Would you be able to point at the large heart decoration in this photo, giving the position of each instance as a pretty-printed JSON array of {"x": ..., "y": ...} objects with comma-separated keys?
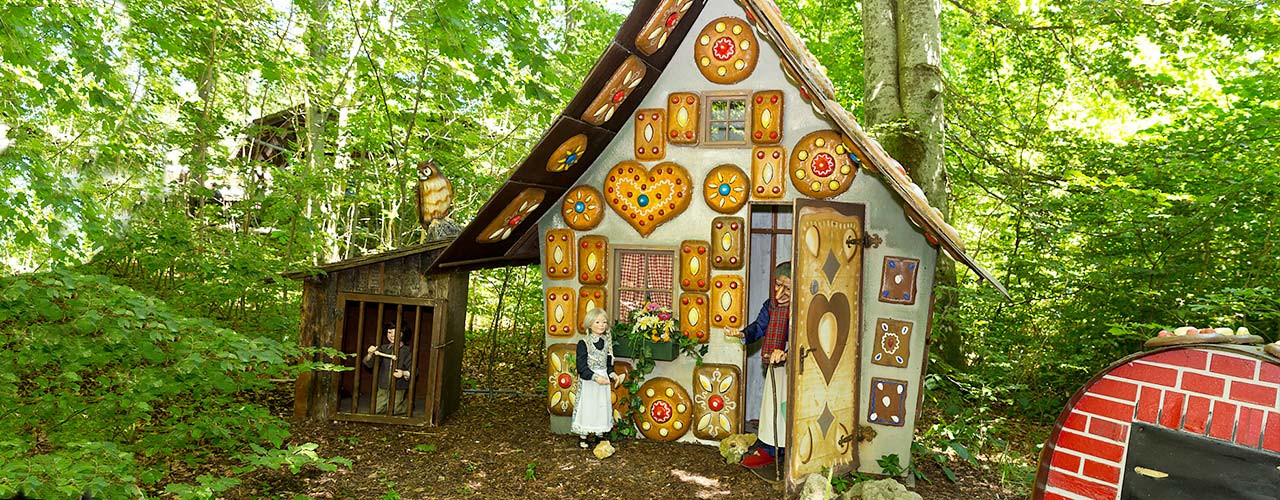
[
  {"x": 647, "y": 198},
  {"x": 828, "y": 318}
]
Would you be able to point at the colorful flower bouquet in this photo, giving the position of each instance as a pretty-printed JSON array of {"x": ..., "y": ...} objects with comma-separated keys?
[{"x": 648, "y": 328}]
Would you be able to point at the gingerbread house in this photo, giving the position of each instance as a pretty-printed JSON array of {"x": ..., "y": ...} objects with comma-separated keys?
[
  {"x": 1196, "y": 422},
  {"x": 704, "y": 147}
]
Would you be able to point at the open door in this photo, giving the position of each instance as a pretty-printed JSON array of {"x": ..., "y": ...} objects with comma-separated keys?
[{"x": 822, "y": 402}]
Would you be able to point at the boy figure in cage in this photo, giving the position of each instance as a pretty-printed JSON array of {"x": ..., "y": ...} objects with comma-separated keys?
[
  {"x": 593, "y": 410},
  {"x": 393, "y": 363},
  {"x": 773, "y": 325}
]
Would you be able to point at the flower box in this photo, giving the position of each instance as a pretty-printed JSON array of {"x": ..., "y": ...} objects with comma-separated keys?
[{"x": 662, "y": 351}]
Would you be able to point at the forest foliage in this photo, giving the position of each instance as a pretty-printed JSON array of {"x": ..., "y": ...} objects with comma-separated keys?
[{"x": 1115, "y": 164}]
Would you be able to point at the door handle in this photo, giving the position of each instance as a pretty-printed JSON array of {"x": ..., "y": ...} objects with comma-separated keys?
[{"x": 804, "y": 352}]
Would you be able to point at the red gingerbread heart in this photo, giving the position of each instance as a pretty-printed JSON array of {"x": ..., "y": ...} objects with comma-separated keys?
[{"x": 647, "y": 198}]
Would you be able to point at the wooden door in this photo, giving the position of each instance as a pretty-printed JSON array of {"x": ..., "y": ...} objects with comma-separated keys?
[{"x": 823, "y": 375}]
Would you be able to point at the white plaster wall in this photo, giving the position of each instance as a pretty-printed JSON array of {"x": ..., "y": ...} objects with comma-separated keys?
[{"x": 885, "y": 217}]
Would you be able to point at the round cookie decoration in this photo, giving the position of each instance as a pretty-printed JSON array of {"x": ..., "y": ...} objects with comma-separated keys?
[
  {"x": 821, "y": 166},
  {"x": 725, "y": 189},
  {"x": 726, "y": 50},
  {"x": 583, "y": 208},
  {"x": 665, "y": 410}
]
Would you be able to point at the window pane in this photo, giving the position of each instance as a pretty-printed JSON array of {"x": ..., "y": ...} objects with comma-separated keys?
[
  {"x": 719, "y": 132},
  {"x": 718, "y": 110},
  {"x": 628, "y": 300},
  {"x": 632, "y": 270},
  {"x": 737, "y": 110},
  {"x": 660, "y": 271},
  {"x": 736, "y": 132}
]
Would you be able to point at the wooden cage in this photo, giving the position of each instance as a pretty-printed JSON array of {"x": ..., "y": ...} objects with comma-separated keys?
[{"x": 346, "y": 307}]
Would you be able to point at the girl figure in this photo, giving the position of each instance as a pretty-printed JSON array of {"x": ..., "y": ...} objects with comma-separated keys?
[{"x": 593, "y": 411}]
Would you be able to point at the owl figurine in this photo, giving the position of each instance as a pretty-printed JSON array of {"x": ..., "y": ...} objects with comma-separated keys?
[{"x": 435, "y": 196}]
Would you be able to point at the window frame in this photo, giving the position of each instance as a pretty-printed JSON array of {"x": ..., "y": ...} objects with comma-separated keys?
[
  {"x": 616, "y": 276},
  {"x": 708, "y": 99}
]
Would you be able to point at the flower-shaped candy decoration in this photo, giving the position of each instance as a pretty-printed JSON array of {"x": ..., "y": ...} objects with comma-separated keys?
[{"x": 562, "y": 383}]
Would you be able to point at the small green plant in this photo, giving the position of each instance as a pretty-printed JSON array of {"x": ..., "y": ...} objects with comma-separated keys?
[
  {"x": 391, "y": 493},
  {"x": 349, "y": 440},
  {"x": 424, "y": 448},
  {"x": 890, "y": 464},
  {"x": 463, "y": 490},
  {"x": 530, "y": 472},
  {"x": 839, "y": 484}
]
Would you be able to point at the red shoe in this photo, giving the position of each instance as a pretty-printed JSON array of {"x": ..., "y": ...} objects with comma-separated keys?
[{"x": 756, "y": 459}]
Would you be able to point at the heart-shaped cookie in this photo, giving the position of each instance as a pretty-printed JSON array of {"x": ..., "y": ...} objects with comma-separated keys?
[
  {"x": 828, "y": 319},
  {"x": 647, "y": 198}
]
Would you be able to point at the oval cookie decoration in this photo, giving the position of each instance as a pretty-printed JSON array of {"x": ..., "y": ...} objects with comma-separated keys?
[
  {"x": 583, "y": 208},
  {"x": 821, "y": 166},
  {"x": 562, "y": 382},
  {"x": 647, "y": 198},
  {"x": 725, "y": 189},
  {"x": 715, "y": 401},
  {"x": 516, "y": 211},
  {"x": 568, "y": 154},
  {"x": 665, "y": 410},
  {"x": 726, "y": 50}
]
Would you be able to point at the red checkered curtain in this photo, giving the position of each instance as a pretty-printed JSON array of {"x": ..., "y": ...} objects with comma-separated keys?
[{"x": 644, "y": 276}]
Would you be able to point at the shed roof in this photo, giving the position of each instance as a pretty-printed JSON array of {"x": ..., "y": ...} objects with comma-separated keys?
[
  {"x": 370, "y": 259},
  {"x": 802, "y": 69}
]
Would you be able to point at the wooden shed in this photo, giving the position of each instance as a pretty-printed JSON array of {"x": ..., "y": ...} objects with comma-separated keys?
[{"x": 344, "y": 306}]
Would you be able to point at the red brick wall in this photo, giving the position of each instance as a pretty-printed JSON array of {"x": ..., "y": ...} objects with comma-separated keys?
[{"x": 1221, "y": 394}]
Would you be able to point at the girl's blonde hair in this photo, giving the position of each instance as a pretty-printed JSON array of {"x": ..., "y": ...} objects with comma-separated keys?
[{"x": 590, "y": 317}]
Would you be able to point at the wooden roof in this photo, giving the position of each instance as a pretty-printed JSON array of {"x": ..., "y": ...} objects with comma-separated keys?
[
  {"x": 801, "y": 67},
  {"x": 369, "y": 259}
]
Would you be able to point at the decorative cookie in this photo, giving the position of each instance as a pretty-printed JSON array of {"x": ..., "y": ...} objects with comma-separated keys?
[
  {"x": 615, "y": 91},
  {"x": 647, "y": 198},
  {"x": 567, "y": 154},
  {"x": 726, "y": 242},
  {"x": 888, "y": 402},
  {"x": 715, "y": 400},
  {"x": 693, "y": 316},
  {"x": 682, "y": 109},
  {"x": 768, "y": 173},
  {"x": 516, "y": 211},
  {"x": 591, "y": 297},
  {"x": 665, "y": 410},
  {"x": 694, "y": 271},
  {"x": 658, "y": 28},
  {"x": 562, "y": 382},
  {"x": 651, "y": 134},
  {"x": 893, "y": 343},
  {"x": 593, "y": 260},
  {"x": 560, "y": 311},
  {"x": 726, "y": 301},
  {"x": 583, "y": 208},
  {"x": 559, "y": 259},
  {"x": 725, "y": 189},
  {"x": 898, "y": 283},
  {"x": 726, "y": 50},
  {"x": 619, "y": 397},
  {"x": 821, "y": 166},
  {"x": 766, "y": 117}
]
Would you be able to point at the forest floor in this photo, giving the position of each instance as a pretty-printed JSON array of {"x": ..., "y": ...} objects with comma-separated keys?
[{"x": 501, "y": 447}]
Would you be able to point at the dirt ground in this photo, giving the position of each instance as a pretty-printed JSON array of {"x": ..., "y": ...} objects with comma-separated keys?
[{"x": 501, "y": 447}]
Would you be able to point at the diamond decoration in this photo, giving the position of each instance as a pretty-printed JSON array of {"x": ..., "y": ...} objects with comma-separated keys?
[
  {"x": 831, "y": 267},
  {"x": 826, "y": 419}
]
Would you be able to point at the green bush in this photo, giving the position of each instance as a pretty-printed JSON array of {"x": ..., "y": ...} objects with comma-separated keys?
[{"x": 103, "y": 388}]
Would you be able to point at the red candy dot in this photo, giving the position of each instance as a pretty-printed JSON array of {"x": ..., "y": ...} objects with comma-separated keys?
[
  {"x": 715, "y": 403},
  {"x": 619, "y": 96},
  {"x": 823, "y": 165},
  {"x": 564, "y": 381}
]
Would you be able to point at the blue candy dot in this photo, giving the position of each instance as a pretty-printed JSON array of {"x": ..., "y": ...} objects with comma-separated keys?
[
  {"x": 911, "y": 266},
  {"x": 906, "y": 296},
  {"x": 643, "y": 200},
  {"x": 893, "y": 264},
  {"x": 571, "y": 158},
  {"x": 724, "y": 189},
  {"x": 579, "y": 207},
  {"x": 885, "y": 294}
]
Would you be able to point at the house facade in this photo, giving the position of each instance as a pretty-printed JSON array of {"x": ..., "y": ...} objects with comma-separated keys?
[{"x": 704, "y": 148}]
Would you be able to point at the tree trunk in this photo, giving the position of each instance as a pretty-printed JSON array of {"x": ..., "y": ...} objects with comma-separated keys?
[
  {"x": 318, "y": 48},
  {"x": 903, "y": 101}
]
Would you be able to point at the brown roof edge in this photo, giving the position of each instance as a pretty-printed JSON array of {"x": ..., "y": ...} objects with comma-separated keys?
[{"x": 368, "y": 259}]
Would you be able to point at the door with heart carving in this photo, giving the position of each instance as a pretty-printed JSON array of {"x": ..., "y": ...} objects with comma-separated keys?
[{"x": 826, "y": 270}]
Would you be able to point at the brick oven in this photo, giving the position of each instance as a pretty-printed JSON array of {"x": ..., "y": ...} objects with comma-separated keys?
[{"x": 1197, "y": 422}]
